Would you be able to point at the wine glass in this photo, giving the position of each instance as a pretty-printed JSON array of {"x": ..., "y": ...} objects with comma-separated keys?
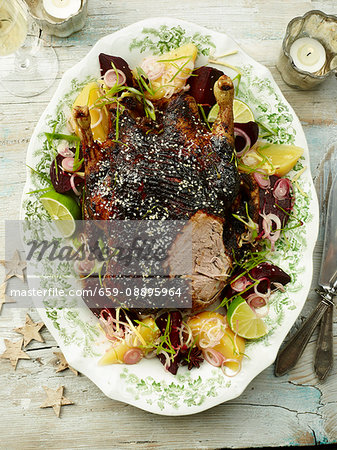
[{"x": 28, "y": 65}]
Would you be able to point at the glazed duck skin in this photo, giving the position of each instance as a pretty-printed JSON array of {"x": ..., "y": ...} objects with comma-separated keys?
[{"x": 174, "y": 169}]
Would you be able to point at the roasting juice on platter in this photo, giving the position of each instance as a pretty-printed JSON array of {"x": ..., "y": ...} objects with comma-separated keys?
[{"x": 167, "y": 141}]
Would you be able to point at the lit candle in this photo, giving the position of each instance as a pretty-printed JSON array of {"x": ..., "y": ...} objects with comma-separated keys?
[
  {"x": 308, "y": 54},
  {"x": 61, "y": 9}
]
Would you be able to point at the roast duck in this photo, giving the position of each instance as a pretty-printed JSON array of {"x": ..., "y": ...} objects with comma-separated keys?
[{"x": 175, "y": 169}]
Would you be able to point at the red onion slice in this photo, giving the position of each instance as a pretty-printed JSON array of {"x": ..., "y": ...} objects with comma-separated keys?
[
  {"x": 256, "y": 300},
  {"x": 213, "y": 357},
  {"x": 257, "y": 285},
  {"x": 68, "y": 164},
  {"x": 65, "y": 152},
  {"x": 72, "y": 184},
  {"x": 241, "y": 133},
  {"x": 262, "y": 180},
  {"x": 225, "y": 369},
  {"x": 111, "y": 78},
  {"x": 267, "y": 228},
  {"x": 152, "y": 68},
  {"x": 133, "y": 356},
  {"x": 282, "y": 188},
  {"x": 167, "y": 359},
  {"x": 279, "y": 286},
  {"x": 240, "y": 284}
]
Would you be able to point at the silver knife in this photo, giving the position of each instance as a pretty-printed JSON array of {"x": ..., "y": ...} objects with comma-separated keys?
[{"x": 292, "y": 351}]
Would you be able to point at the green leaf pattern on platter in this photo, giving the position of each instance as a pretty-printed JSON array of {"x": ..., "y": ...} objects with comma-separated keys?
[
  {"x": 268, "y": 107},
  {"x": 271, "y": 111},
  {"x": 188, "y": 390},
  {"x": 163, "y": 39}
]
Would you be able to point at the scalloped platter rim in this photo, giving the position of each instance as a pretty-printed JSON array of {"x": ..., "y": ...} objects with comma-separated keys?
[{"x": 146, "y": 385}]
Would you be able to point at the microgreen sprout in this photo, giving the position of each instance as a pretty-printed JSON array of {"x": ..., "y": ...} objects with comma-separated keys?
[
  {"x": 66, "y": 137},
  {"x": 204, "y": 117},
  {"x": 250, "y": 224}
]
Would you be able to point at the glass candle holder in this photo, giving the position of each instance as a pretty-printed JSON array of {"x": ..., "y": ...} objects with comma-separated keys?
[
  {"x": 309, "y": 50},
  {"x": 55, "y": 26}
]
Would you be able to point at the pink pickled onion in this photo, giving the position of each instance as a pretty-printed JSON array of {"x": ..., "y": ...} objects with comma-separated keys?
[
  {"x": 111, "y": 78},
  {"x": 167, "y": 359},
  {"x": 267, "y": 228},
  {"x": 133, "y": 356},
  {"x": 240, "y": 284},
  {"x": 279, "y": 286},
  {"x": 239, "y": 132},
  {"x": 262, "y": 180},
  {"x": 257, "y": 285},
  {"x": 68, "y": 164},
  {"x": 152, "y": 68},
  {"x": 256, "y": 300},
  {"x": 213, "y": 357},
  {"x": 232, "y": 373},
  {"x": 66, "y": 152},
  {"x": 282, "y": 188},
  {"x": 72, "y": 184}
]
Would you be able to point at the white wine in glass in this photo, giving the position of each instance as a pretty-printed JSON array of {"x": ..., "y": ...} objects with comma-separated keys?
[{"x": 28, "y": 66}]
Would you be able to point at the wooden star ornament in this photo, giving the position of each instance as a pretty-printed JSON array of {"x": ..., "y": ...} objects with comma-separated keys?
[
  {"x": 14, "y": 267},
  {"x": 55, "y": 399},
  {"x": 63, "y": 364},
  {"x": 4, "y": 298},
  {"x": 13, "y": 352},
  {"x": 30, "y": 331}
]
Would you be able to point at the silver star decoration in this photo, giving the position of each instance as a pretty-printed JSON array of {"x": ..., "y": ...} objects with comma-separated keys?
[{"x": 14, "y": 267}]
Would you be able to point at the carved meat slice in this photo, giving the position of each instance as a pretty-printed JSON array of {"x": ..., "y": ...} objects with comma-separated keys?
[{"x": 211, "y": 260}]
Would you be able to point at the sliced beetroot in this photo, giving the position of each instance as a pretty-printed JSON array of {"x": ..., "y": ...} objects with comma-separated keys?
[
  {"x": 251, "y": 129},
  {"x": 105, "y": 63},
  {"x": 175, "y": 323},
  {"x": 270, "y": 271},
  {"x": 266, "y": 272},
  {"x": 202, "y": 83},
  {"x": 269, "y": 204},
  {"x": 61, "y": 179}
]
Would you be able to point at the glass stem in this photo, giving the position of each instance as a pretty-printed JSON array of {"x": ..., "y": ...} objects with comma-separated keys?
[{"x": 24, "y": 56}]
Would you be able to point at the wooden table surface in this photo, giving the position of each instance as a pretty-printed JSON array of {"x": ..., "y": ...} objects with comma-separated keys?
[{"x": 293, "y": 410}]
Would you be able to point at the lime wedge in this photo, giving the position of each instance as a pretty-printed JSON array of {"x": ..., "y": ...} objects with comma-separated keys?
[
  {"x": 243, "y": 320},
  {"x": 212, "y": 115},
  {"x": 64, "y": 210},
  {"x": 242, "y": 113}
]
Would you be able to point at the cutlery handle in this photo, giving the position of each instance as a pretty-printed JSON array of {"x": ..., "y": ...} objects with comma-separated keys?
[
  {"x": 292, "y": 351},
  {"x": 324, "y": 349}
]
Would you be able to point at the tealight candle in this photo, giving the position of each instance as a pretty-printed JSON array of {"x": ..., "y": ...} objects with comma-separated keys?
[
  {"x": 308, "y": 54},
  {"x": 61, "y": 9}
]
